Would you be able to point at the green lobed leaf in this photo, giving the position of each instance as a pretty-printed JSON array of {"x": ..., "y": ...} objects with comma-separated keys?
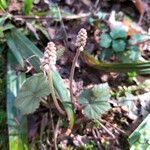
[
  {"x": 101, "y": 91},
  {"x": 95, "y": 101},
  {"x": 118, "y": 33},
  {"x": 132, "y": 55},
  {"x": 118, "y": 45},
  {"x": 2, "y": 20},
  {"x": 105, "y": 40},
  {"x": 31, "y": 93},
  {"x": 106, "y": 54}
]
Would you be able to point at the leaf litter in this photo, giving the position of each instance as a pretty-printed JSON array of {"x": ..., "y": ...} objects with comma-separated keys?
[{"x": 118, "y": 119}]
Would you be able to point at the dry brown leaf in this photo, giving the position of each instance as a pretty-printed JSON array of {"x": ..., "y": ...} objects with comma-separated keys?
[
  {"x": 132, "y": 28},
  {"x": 140, "y": 5},
  {"x": 14, "y": 6}
]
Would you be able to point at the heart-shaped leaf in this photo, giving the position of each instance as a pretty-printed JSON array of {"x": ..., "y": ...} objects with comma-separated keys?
[
  {"x": 105, "y": 40},
  {"x": 132, "y": 55},
  {"x": 94, "y": 101},
  {"x": 118, "y": 33},
  {"x": 31, "y": 92},
  {"x": 119, "y": 45},
  {"x": 106, "y": 54}
]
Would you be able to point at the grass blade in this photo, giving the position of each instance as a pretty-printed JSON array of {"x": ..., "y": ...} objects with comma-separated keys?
[
  {"x": 140, "y": 137},
  {"x": 13, "y": 47},
  {"x": 140, "y": 68},
  {"x": 17, "y": 124},
  {"x": 27, "y": 6},
  {"x": 25, "y": 47}
]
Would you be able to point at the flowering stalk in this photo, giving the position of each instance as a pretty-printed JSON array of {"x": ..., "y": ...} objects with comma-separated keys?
[
  {"x": 80, "y": 44},
  {"x": 48, "y": 65}
]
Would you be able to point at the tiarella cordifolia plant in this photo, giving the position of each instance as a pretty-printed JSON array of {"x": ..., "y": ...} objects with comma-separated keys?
[
  {"x": 116, "y": 43},
  {"x": 80, "y": 44},
  {"x": 48, "y": 63}
]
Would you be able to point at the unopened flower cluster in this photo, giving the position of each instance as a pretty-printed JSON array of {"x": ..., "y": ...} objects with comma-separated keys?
[
  {"x": 81, "y": 39},
  {"x": 49, "y": 59}
]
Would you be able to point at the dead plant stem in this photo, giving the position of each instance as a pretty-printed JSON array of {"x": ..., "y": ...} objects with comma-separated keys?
[
  {"x": 68, "y": 17},
  {"x": 111, "y": 134},
  {"x": 97, "y": 141}
]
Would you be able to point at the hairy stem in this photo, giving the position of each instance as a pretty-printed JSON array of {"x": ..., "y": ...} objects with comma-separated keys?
[
  {"x": 50, "y": 83},
  {"x": 56, "y": 134},
  {"x": 72, "y": 76},
  {"x": 53, "y": 127}
]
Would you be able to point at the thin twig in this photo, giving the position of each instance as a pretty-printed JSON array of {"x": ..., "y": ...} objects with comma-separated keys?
[
  {"x": 110, "y": 133},
  {"x": 63, "y": 27},
  {"x": 96, "y": 3},
  {"x": 45, "y": 103},
  {"x": 104, "y": 121},
  {"x": 97, "y": 142},
  {"x": 62, "y": 23},
  {"x": 68, "y": 17}
]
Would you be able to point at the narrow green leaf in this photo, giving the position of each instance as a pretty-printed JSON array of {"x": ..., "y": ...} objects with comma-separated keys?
[
  {"x": 139, "y": 139},
  {"x": 27, "y": 6},
  {"x": 139, "y": 68},
  {"x": 14, "y": 49},
  {"x": 26, "y": 48},
  {"x": 17, "y": 124},
  {"x": 64, "y": 96},
  {"x": 2, "y": 20},
  {"x": 8, "y": 27},
  {"x": 2, "y": 47},
  {"x": 3, "y": 4}
]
